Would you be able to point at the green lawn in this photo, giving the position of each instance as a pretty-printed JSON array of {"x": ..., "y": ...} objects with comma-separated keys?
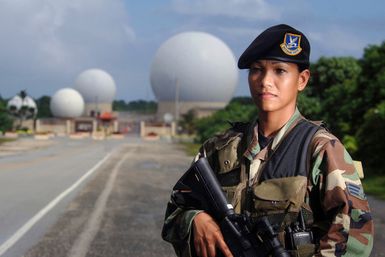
[
  {"x": 375, "y": 185},
  {"x": 191, "y": 149},
  {"x": 3, "y": 140}
]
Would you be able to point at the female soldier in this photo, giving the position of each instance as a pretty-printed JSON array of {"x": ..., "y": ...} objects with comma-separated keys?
[{"x": 282, "y": 165}]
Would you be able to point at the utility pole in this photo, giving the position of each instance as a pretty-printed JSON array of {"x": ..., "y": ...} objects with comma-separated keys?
[{"x": 176, "y": 100}]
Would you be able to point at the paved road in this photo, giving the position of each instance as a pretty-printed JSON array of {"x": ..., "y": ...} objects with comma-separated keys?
[
  {"x": 378, "y": 211},
  {"x": 32, "y": 175},
  {"x": 119, "y": 212}
]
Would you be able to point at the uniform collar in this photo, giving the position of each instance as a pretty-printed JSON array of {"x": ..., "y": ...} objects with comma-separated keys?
[{"x": 253, "y": 145}]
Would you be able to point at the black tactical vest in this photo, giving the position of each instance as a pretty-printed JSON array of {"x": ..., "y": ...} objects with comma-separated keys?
[{"x": 290, "y": 158}]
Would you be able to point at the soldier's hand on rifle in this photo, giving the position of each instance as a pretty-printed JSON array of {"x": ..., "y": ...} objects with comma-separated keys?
[{"x": 208, "y": 237}]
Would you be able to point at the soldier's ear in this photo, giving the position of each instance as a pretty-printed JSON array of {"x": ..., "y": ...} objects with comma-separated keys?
[{"x": 303, "y": 79}]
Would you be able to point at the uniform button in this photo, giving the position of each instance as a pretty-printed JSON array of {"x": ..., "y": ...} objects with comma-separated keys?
[{"x": 227, "y": 162}]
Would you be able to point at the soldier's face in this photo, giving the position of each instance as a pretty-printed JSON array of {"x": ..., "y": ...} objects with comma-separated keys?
[{"x": 274, "y": 85}]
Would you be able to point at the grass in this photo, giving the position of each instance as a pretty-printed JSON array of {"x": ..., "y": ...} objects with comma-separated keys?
[
  {"x": 374, "y": 185},
  {"x": 191, "y": 149},
  {"x": 4, "y": 140}
]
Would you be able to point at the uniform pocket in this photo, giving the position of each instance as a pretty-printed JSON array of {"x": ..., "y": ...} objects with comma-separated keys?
[
  {"x": 229, "y": 182},
  {"x": 228, "y": 159},
  {"x": 280, "y": 194},
  {"x": 235, "y": 195},
  {"x": 306, "y": 250},
  {"x": 229, "y": 192}
]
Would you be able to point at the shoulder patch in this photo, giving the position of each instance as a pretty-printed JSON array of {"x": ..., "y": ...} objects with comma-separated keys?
[{"x": 355, "y": 190}]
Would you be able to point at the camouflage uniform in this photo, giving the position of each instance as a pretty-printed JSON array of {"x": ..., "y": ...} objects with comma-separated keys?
[{"x": 333, "y": 190}]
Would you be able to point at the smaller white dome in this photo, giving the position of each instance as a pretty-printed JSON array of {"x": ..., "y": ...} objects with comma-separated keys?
[
  {"x": 29, "y": 102},
  {"x": 67, "y": 103},
  {"x": 30, "y": 106},
  {"x": 96, "y": 86},
  {"x": 14, "y": 104},
  {"x": 27, "y": 106}
]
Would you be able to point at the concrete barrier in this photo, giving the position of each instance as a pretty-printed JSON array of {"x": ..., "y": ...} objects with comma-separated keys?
[
  {"x": 76, "y": 136},
  {"x": 116, "y": 136},
  {"x": 42, "y": 136},
  {"x": 98, "y": 135},
  {"x": 11, "y": 135}
]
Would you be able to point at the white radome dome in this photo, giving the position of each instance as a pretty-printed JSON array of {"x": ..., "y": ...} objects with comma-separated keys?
[
  {"x": 27, "y": 104},
  {"x": 14, "y": 104},
  {"x": 96, "y": 86},
  {"x": 67, "y": 103},
  {"x": 197, "y": 66},
  {"x": 30, "y": 105}
]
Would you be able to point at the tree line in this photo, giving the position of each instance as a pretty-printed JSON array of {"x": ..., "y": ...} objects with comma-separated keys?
[
  {"x": 348, "y": 94},
  {"x": 141, "y": 106}
]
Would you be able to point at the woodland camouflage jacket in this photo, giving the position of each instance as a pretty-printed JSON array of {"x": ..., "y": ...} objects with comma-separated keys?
[{"x": 333, "y": 190}]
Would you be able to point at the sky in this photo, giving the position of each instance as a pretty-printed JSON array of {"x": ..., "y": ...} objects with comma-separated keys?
[{"x": 46, "y": 44}]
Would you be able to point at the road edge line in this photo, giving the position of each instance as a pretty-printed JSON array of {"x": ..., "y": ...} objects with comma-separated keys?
[
  {"x": 4, "y": 247},
  {"x": 82, "y": 243}
]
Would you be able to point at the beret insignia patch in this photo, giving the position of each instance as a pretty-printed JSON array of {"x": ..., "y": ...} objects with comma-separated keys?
[{"x": 291, "y": 44}]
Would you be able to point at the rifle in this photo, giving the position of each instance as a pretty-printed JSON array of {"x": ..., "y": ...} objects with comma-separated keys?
[{"x": 199, "y": 188}]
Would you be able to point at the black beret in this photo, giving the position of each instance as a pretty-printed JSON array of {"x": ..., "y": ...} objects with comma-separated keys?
[{"x": 280, "y": 42}]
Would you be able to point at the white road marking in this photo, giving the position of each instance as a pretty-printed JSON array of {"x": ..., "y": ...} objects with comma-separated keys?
[
  {"x": 30, "y": 223},
  {"x": 84, "y": 240}
]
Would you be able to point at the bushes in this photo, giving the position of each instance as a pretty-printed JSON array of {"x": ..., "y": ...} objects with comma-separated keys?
[
  {"x": 239, "y": 109},
  {"x": 5, "y": 120},
  {"x": 371, "y": 138}
]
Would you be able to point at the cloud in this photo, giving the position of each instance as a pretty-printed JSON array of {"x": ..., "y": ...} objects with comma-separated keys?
[
  {"x": 342, "y": 43},
  {"x": 244, "y": 9},
  {"x": 44, "y": 39}
]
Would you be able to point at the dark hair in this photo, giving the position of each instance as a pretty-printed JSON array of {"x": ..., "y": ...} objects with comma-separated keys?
[{"x": 302, "y": 67}]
